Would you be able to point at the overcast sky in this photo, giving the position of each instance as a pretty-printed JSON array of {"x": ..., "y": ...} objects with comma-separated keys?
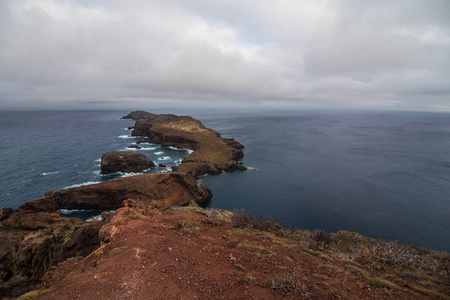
[{"x": 263, "y": 53}]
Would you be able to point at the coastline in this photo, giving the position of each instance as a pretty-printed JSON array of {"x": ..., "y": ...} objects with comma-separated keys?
[{"x": 211, "y": 155}]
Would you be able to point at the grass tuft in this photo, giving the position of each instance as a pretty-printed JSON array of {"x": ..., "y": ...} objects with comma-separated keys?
[{"x": 117, "y": 249}]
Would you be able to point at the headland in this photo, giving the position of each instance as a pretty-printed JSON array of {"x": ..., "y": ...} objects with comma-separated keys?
[{"x": 154, "y": 246}]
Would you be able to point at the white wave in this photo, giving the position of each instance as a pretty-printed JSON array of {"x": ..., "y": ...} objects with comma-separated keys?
[
  {"x": 147, "y": 149},
  {"x": 159, "y": 153},
  {"x": 98, "y": 160},
  {"x": 80, "y": 184},
  {"x": 95, "y": 218},
  {"x": 164, "y": 158},
  {"x": 125, "y": 136},
  {"x": 96, "y": 172},
  {"x": 50, "y": 173},
  {"x": 181, "y": 149},
  {"x": 146, "y": 143},
  {"x": 69, "y": 211},
  {"x": 251, "y": 168}
]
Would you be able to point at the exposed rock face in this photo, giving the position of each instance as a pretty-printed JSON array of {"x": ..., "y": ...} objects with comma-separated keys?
[
  {"x": 212, "y": 153},
  {"x": 141, "y": 115},
  {"x": 158, "y": 189},
  {"x": 5, "y": 212},
  {"x": 26, "y": 255},
  {"x": 124, "y": 161}
]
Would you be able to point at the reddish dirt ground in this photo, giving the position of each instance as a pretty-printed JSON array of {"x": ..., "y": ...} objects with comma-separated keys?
[{"x": 169, "y": 254}]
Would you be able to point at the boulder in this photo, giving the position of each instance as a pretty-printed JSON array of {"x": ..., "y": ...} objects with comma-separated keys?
[{"x": 124, "y": 161}]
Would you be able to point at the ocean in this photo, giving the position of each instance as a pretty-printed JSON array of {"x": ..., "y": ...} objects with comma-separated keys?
[{"x": 381, "y": 174}]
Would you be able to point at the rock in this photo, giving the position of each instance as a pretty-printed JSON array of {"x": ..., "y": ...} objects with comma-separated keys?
[
  {"x": 162, "y": 166},
  {"x": 134, "y": 147},
  {"x": 157, "y": 189},
  {"x": 38, "y": 250},
  {"x": 124, "y": 161},
  {"x": 5, "y": 212},
  {"x": 141, "y": 115}
]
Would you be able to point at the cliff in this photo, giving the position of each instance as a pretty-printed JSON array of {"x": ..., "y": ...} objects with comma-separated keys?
[{"x": 212, "y": 154}]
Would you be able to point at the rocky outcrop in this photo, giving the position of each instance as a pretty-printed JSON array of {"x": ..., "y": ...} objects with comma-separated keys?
[
  {"x": 5, "y": 212},
  {"x": 124, "y": 161},
  {"x": 141, "y": 115},
  {"x": 158, "y": 189},
  {"x": 212, "y": 153},
  {"x": 28, "y": 257}
]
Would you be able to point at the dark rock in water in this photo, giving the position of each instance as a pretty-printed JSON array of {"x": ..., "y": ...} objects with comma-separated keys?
[
  {"x": 162, "y": 166},
  {"x": 5, "y": 212},
  {"x": 141, "y": 115},
  {"x": 130, "y": 127},
  {"x": 124, "y": 161},
  {"x": 134, "y": 147}
]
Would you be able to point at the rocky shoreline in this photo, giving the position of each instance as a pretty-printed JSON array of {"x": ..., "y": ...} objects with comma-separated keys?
[
  {"x": 160, "y": 241},
  {"x": 36, "y": 237}
]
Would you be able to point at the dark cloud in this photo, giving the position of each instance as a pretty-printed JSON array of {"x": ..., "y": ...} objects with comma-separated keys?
[{"x": 377, "y": 54}]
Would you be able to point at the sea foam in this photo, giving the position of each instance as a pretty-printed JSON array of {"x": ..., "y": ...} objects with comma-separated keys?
[
  {"x": 50, "y": 173},
  {"x": 81, "y": 184}
]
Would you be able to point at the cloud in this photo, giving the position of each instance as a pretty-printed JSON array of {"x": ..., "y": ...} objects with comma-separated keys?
[{"x": 320, "y": 53}]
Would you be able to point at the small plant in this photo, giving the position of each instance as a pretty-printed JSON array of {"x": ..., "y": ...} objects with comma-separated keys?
[
  {"x": 117, "y": 249},
  {"x": 67, "y": 225},
  {"x": 32, "y": 294},
  {"x": 291, "y": 284},
  {"x": 240, "y": 267},
  {"x": 245, "y": 219},
  {"x": 251, "y": 278},
  {"x": 428, "y": 292},
  {"x": 257, "y": 249},
  {"x": 320, "y": 239},
  {"x": 67, "y": 238}
]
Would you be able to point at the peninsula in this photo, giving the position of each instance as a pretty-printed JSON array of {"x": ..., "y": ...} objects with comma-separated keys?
[{"x": 159, "y": 244}]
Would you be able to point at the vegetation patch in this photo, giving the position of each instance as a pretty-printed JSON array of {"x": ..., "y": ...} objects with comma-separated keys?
[
  {"x": 245, "y": 219},
  {"x": 240, "y": 267},
  {"x": 373, "y": 281},
  {"x": 428, "y": 292},
  {"x": 33, "y": 294},
  {"x": 257, "y": 249},
  {"x": 67, "y": 238},
  {"x": 290, "y": 284},
  {"x": 117, "y": 249}
]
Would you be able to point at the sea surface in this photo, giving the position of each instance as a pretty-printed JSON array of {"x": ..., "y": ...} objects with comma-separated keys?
[{"x": 382, "y": 174}]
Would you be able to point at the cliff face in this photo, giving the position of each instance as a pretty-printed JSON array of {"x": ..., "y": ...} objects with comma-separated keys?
[
  {"x": 212, "y": 153},
  {"x": 36, "y": 237},
  {"x": 124, "y": 161}
]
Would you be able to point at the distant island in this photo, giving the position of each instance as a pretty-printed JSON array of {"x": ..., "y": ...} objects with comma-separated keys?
[{"x": 160, "y": 244}]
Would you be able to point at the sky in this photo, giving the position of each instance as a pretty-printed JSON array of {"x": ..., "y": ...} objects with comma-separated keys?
[{"x": 392, "y": 54}]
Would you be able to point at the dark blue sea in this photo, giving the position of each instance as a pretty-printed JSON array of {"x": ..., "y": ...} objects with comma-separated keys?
[{"x": 382, "y": 174}]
